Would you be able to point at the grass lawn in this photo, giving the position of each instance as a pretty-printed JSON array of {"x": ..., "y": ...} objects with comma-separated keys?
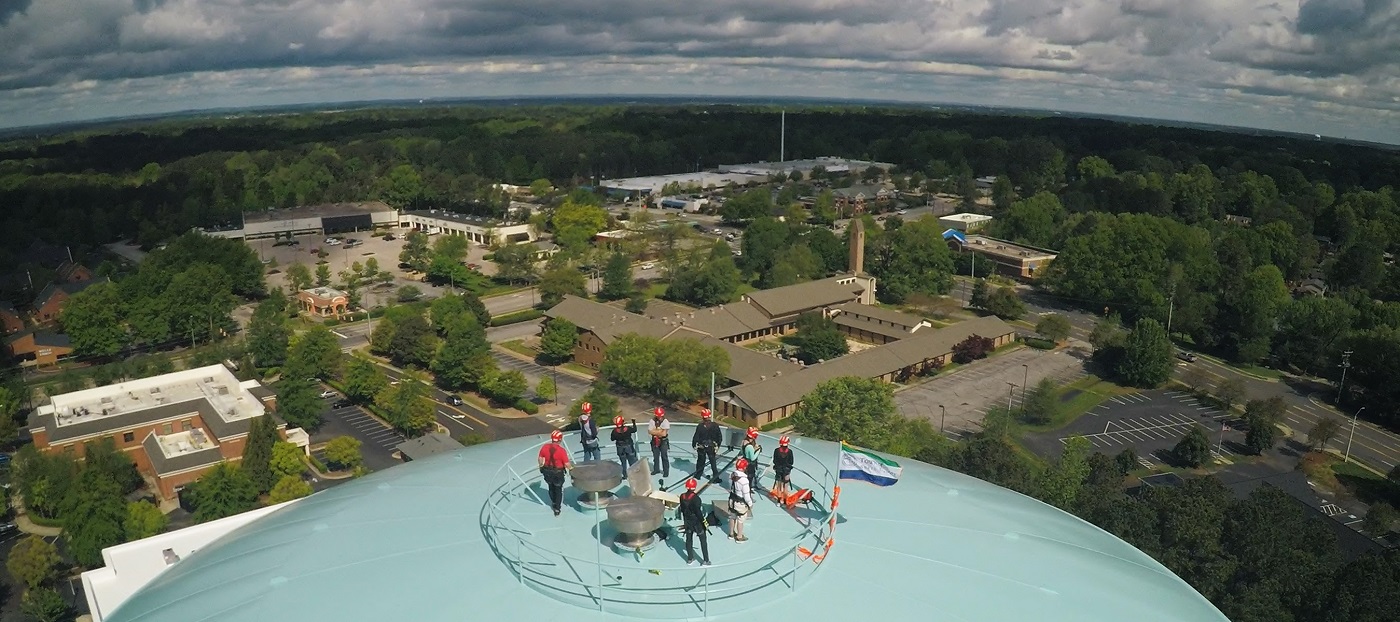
[
  {"x": 1262, "y": 372},
  {"x": 499, "y": 289},
  {"x": 572, "y": 366},
  {"x": 479, "y": 402},
  {"x": 518, "y": 345},
  {"x": 656, "y": 289},
  {"x": 1077, "y": 398},
  {"x": 1327, "y": 470}
]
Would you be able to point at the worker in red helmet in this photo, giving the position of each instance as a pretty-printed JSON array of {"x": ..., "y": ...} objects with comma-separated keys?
[
  {"x": 752, "y": 450},
  {"x": 622, "y": 438},
  {"x": 782, "y": 469},
  {"x": 740, "y": 500},
  {"x": 554, "y": 462},
  {"x": 588, "y": 433},
  {"x": 660, "y": 430},
  {"x": 693, "y": 518},
  {"x": 706, "y": 444}
]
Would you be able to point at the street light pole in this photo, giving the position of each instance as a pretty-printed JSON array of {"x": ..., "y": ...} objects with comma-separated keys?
[
  {"x": 1353, "y": 433},
  {"x": 942, "y": 420},
  {"x": 1342, "y": 385},
  {"x": 1009, "y": 393}
]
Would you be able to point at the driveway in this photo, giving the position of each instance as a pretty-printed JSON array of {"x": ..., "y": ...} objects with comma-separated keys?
[
  {"x": 1151, "y": 422},
  {"x": 970, "y": 391}
]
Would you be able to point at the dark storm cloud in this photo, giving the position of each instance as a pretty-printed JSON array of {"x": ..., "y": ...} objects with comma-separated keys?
[
  {"x": 11, "y": 7},
  {"x": 1319, "y": 16}
]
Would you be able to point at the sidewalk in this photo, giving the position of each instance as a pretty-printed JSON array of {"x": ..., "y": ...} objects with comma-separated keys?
[{"x": 23, "y": 523}]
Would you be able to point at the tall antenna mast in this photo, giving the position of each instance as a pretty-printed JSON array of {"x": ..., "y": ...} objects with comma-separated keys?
[{"x": 782, "y": 140}]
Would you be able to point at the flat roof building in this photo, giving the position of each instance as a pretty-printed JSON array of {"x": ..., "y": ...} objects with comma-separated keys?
[
  {"x": 323, "y": 219},
  {"x": 464, "y": 536},
  {"x": 965, "y": 222},
  {"x": 830, "y": 163},
  {"x": 324, "y": 302},
  {"x": 654, "y": 184},
  {"x": 1017, "y": 261},
  {"x": 482, "y": 231},
  {"x": 174, "y": 426}
]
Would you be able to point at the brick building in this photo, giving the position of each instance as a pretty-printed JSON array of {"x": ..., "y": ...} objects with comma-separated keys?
[
  {"x": 324, "y": 301},
  {"x": 48, "y": 305},
  {"x": 10, "y": 320},
  {"x": 175, "y": 426},
  {"x": 38, "y": 347}
]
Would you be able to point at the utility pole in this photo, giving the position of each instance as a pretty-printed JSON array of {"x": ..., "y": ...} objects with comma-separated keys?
[
  {"x": 782, "y": 139},
  {"x": 1025, "y": 380},
  {"x": 942, "y": 420},
  {"x": 1009, "y": 393},
  {"x": 1342, "y": 386},
  {"x": 1353, "y": 433},
  {"x": 1171, "y": 305}
]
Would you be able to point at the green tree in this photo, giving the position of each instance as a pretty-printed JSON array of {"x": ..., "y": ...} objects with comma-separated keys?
[
  {"x": 402, "y": 186},
  {"x": 363, "y": 380},
  {"x": 857, "y": 410},
  {"x": 444, "y": 309},
  {"x": 1147, "y": 355},
  {"x": 1040, "y": 403},
  {"x": 343, "y": 452},
  {"x": 546, "y": 389},
  {"x": 34, "y": 561},
  {"x": 1251, "y": 313},
  {"x": 1053, "y": 326},
  {"x": 406, "y": 406},
  {"x": 576, "y": 223},
  {"x": 408, "y": 293},
  {"x": 1323, "y": 432},
  {"x": 559, "y": 282},
  {"x": 751, "y": 204},
  {"x": 1094, "y": 167},
  {"x": 515, "y": 263},
  {"x": 1310, "y": 327},
  {"x": 818, "y": 338},
  {"x": 298, "y": 399},
  {"x": 92, "y": 319},
  {"x": 415, "y": 253},
  {"x": 268, "y": 336},
  {"x": 506, "y": 387},
  {"x": 1003, "y": 194},
  {"x": 459, "y": 361},
  {"x": 677, "y": 370},
  {"x": 143, "y": 520},
  {"x": 224, "y": 491},
  {"x": 286, "y": 460},
  {"x": 317, "y": 352},
  {"x": 257, "y": 452},
  {"x": 414, "y": 342},
  {"x": 44, "y": 605},
  {"x": 323, "y": 275},
  {"x": 299, "y": 276},
  {"x": 1230, "y": 391},
  {"x": 94, "y": 514},
  {"x": 617, "y": 278},
  {"x": 288, "y": 488},
  {"x": 708, "y": 282},
  {"x": 980, "y": 295},
  {"x": 1004, "y": 303},
  {"x": 1063, "y": 483},
  {"x": 1034, "y": 220},
  {"x": 1380, "y": 519},
  {"x": 557, "y": 341},
  {"x": 453, "y": 247},
  {"x": 1261, "y": 436},
  {"x": 1193, "y": 450}
]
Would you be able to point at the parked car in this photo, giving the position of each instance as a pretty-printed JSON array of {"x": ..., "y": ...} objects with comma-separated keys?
[
  {"x": 648, "y": 265},
  {"x": 389, "y": 237},
  {"x": 1186, "y": 356},
  {"x": 454, "y": 400},
  {"x": 328, "y": 393},
  {"x": 341, "y": 404},
  {"x": 473, "y": 266},
  {"x": 902, "y": 212}
]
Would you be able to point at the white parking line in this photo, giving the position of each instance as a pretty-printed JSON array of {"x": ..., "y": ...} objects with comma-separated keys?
[{"x": 337, "y": 334}]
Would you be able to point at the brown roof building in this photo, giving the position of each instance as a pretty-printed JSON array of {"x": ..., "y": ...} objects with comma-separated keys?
[
  {"x": 776, "y": 397},
  {"x": 876, "y": 325},
  {"x": 10, "y": 320},
  {"x": 38, "y": 347},
  {"x": 48, "y": 305},
  {"x": 175, "y": 426},
  {"x": 70, "y": 272}
]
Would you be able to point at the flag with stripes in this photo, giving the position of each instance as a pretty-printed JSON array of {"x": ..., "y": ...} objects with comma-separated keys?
[{"x": 868, "y": 467}]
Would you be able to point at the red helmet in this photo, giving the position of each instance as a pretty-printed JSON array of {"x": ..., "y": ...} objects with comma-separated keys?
[
  {"x": 660, "y": 412},
  {"x": 690, "y": 484},
  {"x": 587, "y": 408},
  {"x": 556, "y": 436},
  {"x": 705, "y": 413},
  {"x": 753, "y": 433},
  {"x": 742, "y": 464},
  {"x": 783, "y": 441}
]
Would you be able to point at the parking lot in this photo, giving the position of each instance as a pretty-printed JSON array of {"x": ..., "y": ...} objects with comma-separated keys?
[
  {"x": 341, "y": 257},
  {"x": 970, "y": 391},
  {"x": 1151, "y": 422},
  {"x": 377, "y": 441}
]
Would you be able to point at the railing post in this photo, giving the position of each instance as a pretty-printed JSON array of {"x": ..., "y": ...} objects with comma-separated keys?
[
  {"x": 707, "y": 592},
  {"x": 794, "y": 568},
  {"x": 519, "y": 561}
]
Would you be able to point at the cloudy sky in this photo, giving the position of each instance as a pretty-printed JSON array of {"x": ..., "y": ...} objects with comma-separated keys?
[{"x": 1316, "y": 66}]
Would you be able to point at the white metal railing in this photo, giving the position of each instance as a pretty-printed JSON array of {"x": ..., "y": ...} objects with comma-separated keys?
[{"x": 625, "y": 584}]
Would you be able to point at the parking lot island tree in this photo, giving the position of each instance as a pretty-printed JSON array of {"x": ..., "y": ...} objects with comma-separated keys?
[
  {"x": 1147, "y": 355},
  {"x": 557, "y": 341},
  {"x": 1053, "y": 326},
  {"x": 343, "y": 453},
  {"x": 287, "y": 459},
  {"x": 34, "y": 561},
  {"x": 288, "y": 488},
  {"x": 1193, "y": 450}
]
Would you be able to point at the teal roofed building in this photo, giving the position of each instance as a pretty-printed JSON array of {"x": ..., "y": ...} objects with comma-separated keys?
[{"x": 468, "y": 535}]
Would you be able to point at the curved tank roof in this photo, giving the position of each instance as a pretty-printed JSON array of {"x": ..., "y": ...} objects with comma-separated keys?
[{"x": 458, "y": 536}]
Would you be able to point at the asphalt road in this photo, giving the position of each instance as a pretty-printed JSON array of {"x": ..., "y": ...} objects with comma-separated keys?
[
  {"x": 1307, "y": 400},
  {"x": 467, "y": 419}
]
